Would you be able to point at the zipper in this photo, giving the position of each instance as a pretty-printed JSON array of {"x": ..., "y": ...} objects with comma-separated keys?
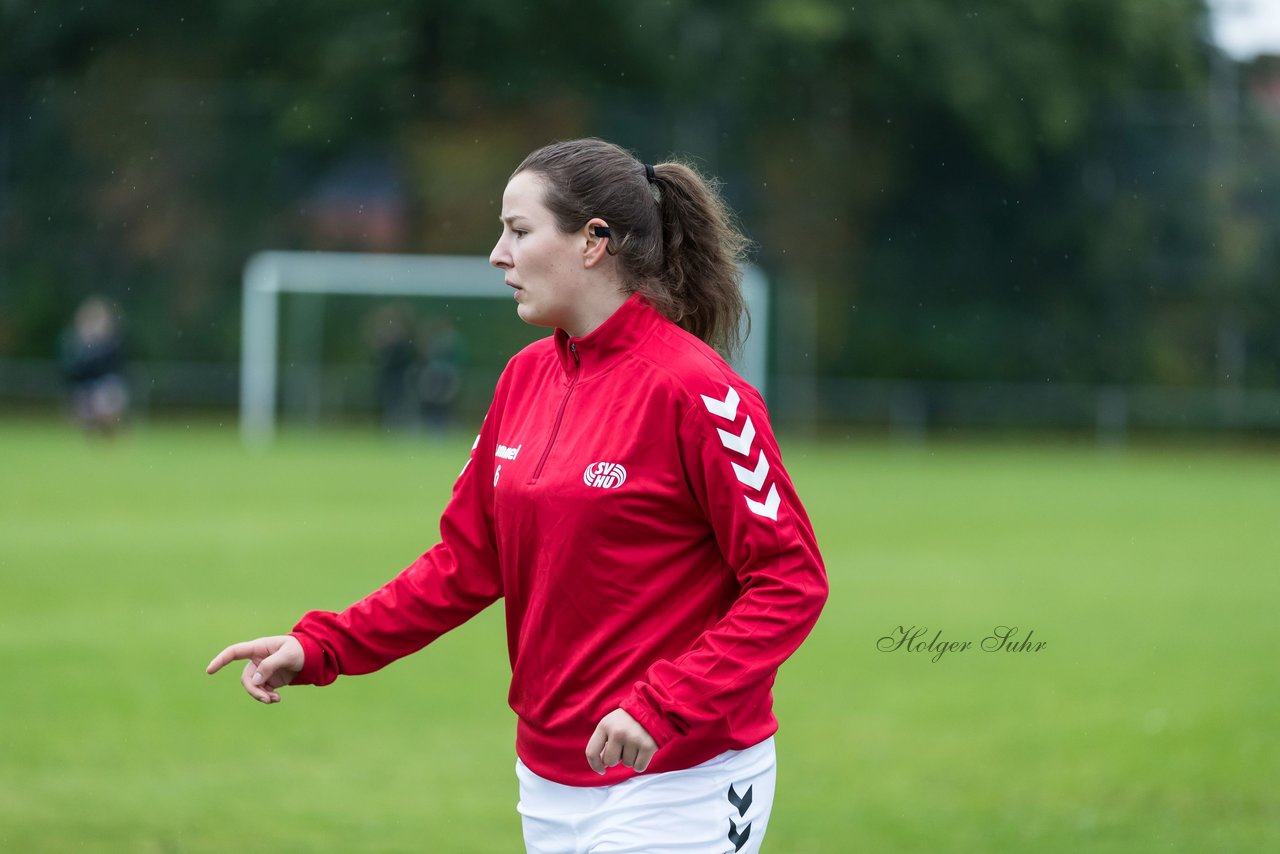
[{"x": 555, "y": 428}]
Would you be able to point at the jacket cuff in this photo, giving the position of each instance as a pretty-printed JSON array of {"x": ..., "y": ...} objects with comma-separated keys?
[
  {"x": 312, "y": 672},
  {"x": 649, "y": 718}
]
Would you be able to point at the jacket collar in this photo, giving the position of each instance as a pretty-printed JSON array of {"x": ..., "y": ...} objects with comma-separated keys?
[{"x": 609, "y": 342}]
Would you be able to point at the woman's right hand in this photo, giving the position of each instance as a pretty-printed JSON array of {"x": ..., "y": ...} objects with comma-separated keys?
[{"x": 273, "y": 662}]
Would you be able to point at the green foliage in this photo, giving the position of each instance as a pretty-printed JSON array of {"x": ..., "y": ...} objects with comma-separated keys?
[
  {"x": 1146, "y": 724},
  {"x": 980, "y": 190}
]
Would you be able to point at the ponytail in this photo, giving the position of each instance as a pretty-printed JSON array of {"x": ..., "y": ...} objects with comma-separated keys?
[
  {"x": 702, "y": 250},
  {"x": 674, "y": 237}
]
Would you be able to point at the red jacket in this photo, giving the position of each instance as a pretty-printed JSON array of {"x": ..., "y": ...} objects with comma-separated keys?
[{"x": 626, "y": 497}]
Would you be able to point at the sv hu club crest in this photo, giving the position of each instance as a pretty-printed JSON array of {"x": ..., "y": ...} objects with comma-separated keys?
[{"x": 604, "y": 475}]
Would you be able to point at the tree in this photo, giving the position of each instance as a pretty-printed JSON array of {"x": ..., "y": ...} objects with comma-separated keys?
[{"x": 986, "y": 190}]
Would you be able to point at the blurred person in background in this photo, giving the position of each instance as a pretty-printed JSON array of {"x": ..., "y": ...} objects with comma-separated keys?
[
  {"x": 440, "y": 374},
  {"x": 396, "y": 363},
  {"x": 92, "y": 360},
  {"x": 627, "y": 500}
]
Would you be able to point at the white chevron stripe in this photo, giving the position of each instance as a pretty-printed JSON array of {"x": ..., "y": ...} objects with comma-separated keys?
[
  {"x": 468, "y": 462},
  {"x": 727, "y": 408},
  {"x": 753, "y": 479},
  {"x": 769, "y": 507},
  {"x": 740, "y": 443}
]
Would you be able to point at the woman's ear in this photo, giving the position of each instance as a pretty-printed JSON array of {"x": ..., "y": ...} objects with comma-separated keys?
[{"x": 598, "y": 235}]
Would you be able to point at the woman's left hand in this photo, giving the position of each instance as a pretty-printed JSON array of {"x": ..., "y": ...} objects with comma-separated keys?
[{"x": 620, "y": 738}]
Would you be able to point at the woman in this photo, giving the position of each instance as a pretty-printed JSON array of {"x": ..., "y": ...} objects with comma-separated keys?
[
  {"x": 92, "y": 352},
  {"x": 626, "y": 498}
]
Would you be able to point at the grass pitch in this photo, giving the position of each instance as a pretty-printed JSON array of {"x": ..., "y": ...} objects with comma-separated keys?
[{"x": 1146, "y": 722}]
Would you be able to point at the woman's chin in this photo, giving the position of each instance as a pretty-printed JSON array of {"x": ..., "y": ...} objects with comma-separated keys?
[{"x": 531, "y": 315}]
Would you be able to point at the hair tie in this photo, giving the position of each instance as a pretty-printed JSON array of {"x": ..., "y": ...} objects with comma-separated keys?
[{"x": 648, "y": 173}]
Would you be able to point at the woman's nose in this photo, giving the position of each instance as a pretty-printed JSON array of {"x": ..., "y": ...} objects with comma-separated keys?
[{"x": 498, "y": 257}]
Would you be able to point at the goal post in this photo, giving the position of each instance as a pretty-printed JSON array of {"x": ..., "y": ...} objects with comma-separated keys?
[{"x": 269, "y": 274}]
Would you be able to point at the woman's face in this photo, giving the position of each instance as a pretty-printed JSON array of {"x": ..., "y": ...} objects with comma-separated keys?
[{"x": 542, "y": 263}]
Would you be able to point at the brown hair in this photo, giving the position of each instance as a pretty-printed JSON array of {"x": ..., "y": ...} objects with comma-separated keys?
[{"x": 674, "y": 238}]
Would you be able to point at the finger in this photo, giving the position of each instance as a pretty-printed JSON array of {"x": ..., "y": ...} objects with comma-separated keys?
[
  {"x": 235, "y": 652},
  {"x": 612, "y": 753},
  {"x": 267, "y": 683},
  {"x": 267, "y": 671},
  {"x": 247, "y": 677},
  {"x": 629, "y": 753},
  {"x": 594, "y": 746},
  {"x": 644, "y": 757}
]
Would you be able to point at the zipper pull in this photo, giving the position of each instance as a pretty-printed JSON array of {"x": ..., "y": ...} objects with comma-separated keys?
[{"x": 573, "y": 348}]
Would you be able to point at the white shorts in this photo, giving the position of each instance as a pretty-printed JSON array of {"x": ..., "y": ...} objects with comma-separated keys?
[{"x": 719, "y": 807}]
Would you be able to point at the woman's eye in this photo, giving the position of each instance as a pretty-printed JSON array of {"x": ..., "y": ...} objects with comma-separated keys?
[{"x": 519, "y": 232}]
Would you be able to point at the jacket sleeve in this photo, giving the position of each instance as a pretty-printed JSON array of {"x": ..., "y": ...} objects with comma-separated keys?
[
  {"x": 735, "y": 472},
  {"x": 446, "y": 586}
]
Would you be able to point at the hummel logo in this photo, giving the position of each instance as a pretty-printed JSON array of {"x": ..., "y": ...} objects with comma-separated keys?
[
  {"x": 604, "y": 475},
  {"x": 770, "y": 505},
  {"x": 727, "y": 408},
  {"x": 742, "y": 804},
  {"x": 753, "y": 479},
  {"x": 741, "y": 442},
  {"x": 507, "y": 453}
]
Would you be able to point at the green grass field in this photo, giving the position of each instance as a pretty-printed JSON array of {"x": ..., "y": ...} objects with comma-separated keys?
[{"x": 1147, "y": 723}]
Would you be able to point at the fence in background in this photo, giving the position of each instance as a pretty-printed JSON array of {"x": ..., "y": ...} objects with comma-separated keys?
[
  {"x": 913, "y": 409},
  {"x": 910, "y": 410}
]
